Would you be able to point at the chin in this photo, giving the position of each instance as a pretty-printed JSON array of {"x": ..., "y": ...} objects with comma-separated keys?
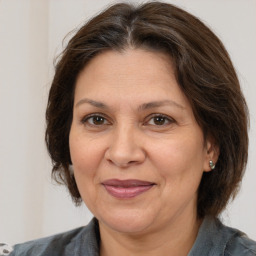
[{"x": 127, "y": 223}]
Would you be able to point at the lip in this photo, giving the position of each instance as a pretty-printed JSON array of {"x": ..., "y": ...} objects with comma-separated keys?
[{"x": 125, "y": 189}]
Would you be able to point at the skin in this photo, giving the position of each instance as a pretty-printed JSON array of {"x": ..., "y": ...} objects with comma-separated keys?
[{"x": 127, "y": 142}]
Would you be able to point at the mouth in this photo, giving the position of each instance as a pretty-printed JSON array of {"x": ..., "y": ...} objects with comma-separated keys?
[{"x": 125, "y": 189}]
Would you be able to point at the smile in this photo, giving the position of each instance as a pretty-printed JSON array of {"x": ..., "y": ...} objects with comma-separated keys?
[{"x": 125, "y": 189}]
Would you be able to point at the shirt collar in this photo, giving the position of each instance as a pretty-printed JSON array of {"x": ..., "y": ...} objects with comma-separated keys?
[{"x": 211, "y": 239}]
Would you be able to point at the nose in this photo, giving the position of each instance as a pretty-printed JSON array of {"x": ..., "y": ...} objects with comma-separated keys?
[{"x": 125, "y": 148}]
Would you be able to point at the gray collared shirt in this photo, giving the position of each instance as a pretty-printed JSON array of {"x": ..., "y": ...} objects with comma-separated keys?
[{"x": 213, "y": 239}]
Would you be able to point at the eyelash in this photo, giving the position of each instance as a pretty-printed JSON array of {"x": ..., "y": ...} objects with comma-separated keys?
[
  {"x": 86, "y": 119},
  {"x": 165, "y": 117},
  {"x": 91, "y": 116}
]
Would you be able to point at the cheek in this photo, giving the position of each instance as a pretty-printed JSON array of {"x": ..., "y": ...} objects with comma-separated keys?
[
  {"x": 180, "y": 167},
  {"x": 179, "y": 156},
  {"x": 85, "y": 159},
  {"x": 85, "y": 153}
]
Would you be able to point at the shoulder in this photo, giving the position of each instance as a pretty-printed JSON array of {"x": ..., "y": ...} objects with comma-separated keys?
[
  {"x": 216, "y": 239},
  {"x": 65, "y": 244},
  {"x": 239, "y": 244},
  {"x": 52, "y": 245}
]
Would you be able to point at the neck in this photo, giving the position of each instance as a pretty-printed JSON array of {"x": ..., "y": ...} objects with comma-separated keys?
[{"x": 174, "y": 239}]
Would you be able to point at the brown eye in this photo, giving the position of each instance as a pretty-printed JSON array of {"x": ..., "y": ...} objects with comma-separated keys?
[
  {"x": 160, "y": 120},
  {"x": 95, "y": 120},
  {"x": 98, "y": 120}
]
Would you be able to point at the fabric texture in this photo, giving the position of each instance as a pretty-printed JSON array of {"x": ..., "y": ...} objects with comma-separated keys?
[{"x": 213, "y": 239}]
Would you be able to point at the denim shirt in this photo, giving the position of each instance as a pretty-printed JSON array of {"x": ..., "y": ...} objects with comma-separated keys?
[{"x": 213, "y": 239}]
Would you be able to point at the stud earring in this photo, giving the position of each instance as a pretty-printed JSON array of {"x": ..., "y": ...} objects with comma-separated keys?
[{"x": 211, "y": 164}]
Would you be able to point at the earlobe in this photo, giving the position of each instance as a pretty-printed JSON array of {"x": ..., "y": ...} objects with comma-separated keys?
[{"x": 212, "y": 155}]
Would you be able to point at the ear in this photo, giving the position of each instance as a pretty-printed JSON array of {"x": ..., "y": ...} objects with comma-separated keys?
[{"x": 212, "y": 153}]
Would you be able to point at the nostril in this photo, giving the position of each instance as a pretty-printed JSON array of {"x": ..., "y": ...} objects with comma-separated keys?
[
  {"x": 124, "y": 153},
  {"x": 121, "y": 164},
  {"x": 132, "y": 162}
]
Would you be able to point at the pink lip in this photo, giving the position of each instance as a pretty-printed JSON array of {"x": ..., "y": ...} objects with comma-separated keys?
[{"x": 126, "y": 188}]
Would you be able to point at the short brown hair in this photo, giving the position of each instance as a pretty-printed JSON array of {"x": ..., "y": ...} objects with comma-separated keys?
[{"x": 203, "y": 70}]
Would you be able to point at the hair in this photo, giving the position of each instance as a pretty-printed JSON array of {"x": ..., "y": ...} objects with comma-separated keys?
[{"x": 204, "y": 73}]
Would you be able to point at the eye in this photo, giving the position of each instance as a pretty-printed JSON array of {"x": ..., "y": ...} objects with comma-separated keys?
[
  {"x": 95, "y": 120},
  {"x": 160, "y": 120}
]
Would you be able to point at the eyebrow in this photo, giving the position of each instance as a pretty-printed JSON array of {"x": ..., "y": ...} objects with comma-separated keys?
[
  {"x": 155, "y": 104},
  {"x": 145, "y": 106},
  {"x": 91, "y": 102}
]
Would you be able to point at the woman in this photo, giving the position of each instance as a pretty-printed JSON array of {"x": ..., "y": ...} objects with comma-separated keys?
[{"x": 146, "y": 124}]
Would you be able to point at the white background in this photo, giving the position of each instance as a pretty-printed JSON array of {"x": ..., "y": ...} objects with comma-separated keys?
[{"x": 31, "y": 34}]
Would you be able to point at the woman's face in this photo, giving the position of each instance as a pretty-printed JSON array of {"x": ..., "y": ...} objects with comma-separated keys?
[{"x": 137, "y": 151}]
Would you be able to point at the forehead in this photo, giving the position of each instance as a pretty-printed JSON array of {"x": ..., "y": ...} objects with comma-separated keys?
[
  {"x": 134, "y": 73},
  {"x": 131, "y": 62}
]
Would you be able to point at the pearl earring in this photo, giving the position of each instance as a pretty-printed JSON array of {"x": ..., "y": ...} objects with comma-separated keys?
[{"x": 212, "y": 165}]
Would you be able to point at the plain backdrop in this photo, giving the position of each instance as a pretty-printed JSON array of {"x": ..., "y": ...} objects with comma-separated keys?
[{"x": 31, "y": 34}]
